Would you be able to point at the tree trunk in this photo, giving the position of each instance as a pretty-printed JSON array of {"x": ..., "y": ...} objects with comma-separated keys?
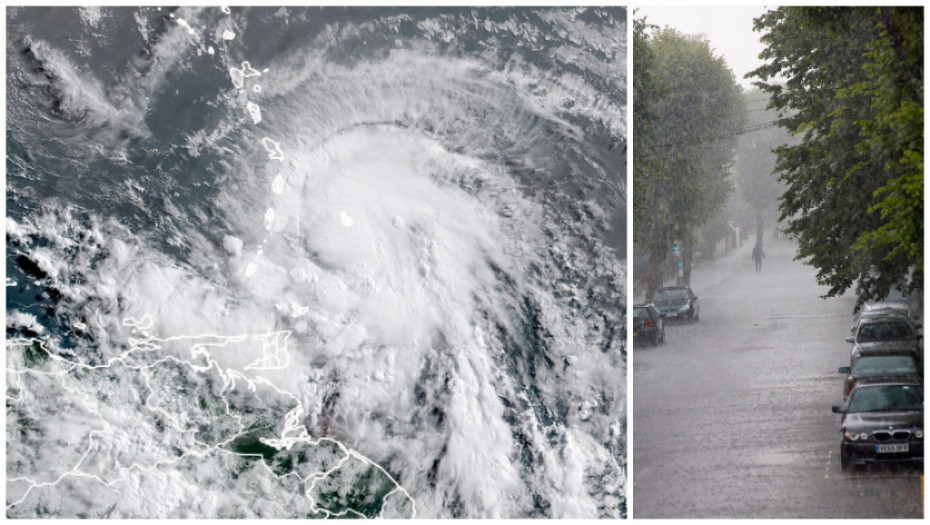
[
  {"x": 655, "y": 275},
  {"x": 687, "y": 248}
]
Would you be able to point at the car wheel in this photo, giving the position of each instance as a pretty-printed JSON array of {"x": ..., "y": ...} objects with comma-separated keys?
[{"x": 845, "y": 464}]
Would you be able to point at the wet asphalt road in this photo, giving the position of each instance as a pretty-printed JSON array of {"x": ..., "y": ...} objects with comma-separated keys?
[{"x": 732, "y": 414}]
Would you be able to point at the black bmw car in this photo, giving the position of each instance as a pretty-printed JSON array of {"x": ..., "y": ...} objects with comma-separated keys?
[
  {"x": 883, "y": 422},
  {"x": 677, "y": 302}
]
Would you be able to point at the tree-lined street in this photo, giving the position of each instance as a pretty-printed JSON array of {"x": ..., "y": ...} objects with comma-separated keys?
[
  {"x": 732, "y": 414},
  {"x": 816, "y": 158}
]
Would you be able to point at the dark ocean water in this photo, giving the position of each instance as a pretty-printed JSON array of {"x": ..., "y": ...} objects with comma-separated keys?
[{"x": 315, "y": 261}]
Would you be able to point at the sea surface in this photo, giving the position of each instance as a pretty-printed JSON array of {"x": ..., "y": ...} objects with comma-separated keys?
[{"x": 316, "y": 262}]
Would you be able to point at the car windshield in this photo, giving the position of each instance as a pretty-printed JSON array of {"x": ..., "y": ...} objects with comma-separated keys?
[
  {"x": 886, "y": 398},
  {"x": 883, "y": 365},
  {"x": 640, "y": 313},
  {"x": 884, "y": 331},
  {"x": 670, "y": 294}
]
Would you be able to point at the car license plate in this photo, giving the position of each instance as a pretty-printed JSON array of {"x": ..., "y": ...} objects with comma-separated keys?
[{"x": 891, "y": 449}]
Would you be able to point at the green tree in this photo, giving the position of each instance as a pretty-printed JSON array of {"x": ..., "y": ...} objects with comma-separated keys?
[
  {"x": 853, "y": 79},
  {"x": 756, "y": 181},
  {"x": 650, "y": 236},
  {"x": 689, "y": 105}
]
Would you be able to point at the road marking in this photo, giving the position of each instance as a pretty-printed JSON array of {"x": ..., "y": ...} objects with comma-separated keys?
[
  {"x": 826, "y": 474},
  {"x": 640, "y": 475}
]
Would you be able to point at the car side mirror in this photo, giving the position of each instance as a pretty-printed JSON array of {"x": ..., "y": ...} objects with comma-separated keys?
[
  {"x": 844, "y": 369},
  {"x": 850, "y": 340},
  {"x": 838, "y": 409},
  {"x": 695, "y": 298}
]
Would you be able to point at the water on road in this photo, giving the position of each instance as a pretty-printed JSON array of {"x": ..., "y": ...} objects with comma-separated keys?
[{"x": 732, "y": 414}]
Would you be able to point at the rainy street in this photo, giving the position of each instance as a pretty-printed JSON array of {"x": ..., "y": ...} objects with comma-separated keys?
[{"x": 732, "y": 414}]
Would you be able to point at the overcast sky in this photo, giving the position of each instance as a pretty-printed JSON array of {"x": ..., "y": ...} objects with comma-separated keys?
[{"x": 729, "y": 30}]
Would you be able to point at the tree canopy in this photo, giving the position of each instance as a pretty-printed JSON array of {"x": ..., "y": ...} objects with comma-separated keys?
[
  {"x": 686, "y": 107},
  {"x": 848, "y": 82}
]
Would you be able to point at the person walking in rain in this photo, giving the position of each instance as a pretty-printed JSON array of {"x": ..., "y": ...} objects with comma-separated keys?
[{"x": 757, "y": 256}]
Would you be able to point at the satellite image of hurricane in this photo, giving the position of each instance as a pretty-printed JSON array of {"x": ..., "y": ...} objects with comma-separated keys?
[{"x": 316, "y": 262}]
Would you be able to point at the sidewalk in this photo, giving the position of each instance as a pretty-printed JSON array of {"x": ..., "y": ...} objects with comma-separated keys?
[{"x": 716, "y": 269}]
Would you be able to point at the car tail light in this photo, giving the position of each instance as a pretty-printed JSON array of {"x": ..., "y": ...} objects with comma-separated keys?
[
  {"x": 648, "y": 323},
  {"x": 849, "y": 387}
]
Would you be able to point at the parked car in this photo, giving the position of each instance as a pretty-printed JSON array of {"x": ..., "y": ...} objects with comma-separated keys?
[
  {"x": 900, "y": 365},
  {"x": 884, "y": 310},
  {"x": 647, "y": 324},
  {"x": 677, "y": 302},
  {"x": 883, "y": 422},
  {"x": 896, "y": 298},
  {"x": 884, "y": 328},
  {"x": 886, "y": 348},
  {"x": 886, "y": 305}
]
